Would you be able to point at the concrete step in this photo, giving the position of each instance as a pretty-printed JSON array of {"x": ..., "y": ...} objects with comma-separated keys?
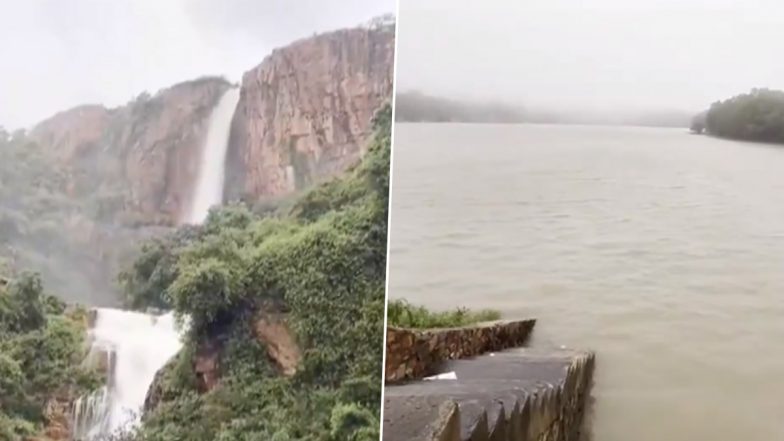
[{"x": 516, "y": 395}]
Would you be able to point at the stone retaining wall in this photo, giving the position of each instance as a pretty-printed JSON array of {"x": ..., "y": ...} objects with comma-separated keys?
[{"x": 413, "y": 354}]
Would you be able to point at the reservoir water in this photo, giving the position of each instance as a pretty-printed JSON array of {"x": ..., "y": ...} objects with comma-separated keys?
[{"x": 660, "y": 250}]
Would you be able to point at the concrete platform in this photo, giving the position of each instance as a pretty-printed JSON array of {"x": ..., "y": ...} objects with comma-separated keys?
[{"x": 516, "y": 395}]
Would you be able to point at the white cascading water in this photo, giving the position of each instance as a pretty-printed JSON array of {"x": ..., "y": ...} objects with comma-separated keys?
[
  {"x": 209, "y": 185},
  {"x": 137, "y": 345}
]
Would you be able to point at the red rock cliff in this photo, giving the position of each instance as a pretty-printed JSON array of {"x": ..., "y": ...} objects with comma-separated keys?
[
  {"x": 304, "y": 115},
  {"x": 72, "y": 132},
  {"x": 163, "y": 143},
  {"x": 305, "y": 112},
  {"x": 147, "y": 151}
]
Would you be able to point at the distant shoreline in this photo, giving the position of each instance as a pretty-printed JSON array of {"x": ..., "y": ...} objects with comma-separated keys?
[{"x": 505, "y": 123}]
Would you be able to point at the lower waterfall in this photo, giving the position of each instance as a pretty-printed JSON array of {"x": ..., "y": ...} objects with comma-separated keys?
[{"x": 135, "y": 346}]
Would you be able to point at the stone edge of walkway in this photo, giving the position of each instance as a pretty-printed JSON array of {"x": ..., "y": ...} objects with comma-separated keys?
[{"x": 415, "y": 353}]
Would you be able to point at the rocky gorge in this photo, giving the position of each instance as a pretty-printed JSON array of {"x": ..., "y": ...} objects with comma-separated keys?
[{"x": 87, "y": 186}]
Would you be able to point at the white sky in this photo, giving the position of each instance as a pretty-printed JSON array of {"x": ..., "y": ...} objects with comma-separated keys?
[
  {"x": 597, "y": 54},
  {"x": 57, "y": 54}
]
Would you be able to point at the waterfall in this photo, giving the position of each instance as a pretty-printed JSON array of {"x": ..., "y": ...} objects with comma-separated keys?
[
  {"x": 209, "y": 184},
  {"x": 136, "y": 346}
]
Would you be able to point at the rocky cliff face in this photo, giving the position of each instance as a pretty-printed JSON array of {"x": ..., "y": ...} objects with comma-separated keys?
[
  {"x": 147, "y": 151},
  {"x": 119, "y": 175},
  {"x": 70, "y": 133},
  {"x": 95, "y": 182},
  {"x": 162, "y": 145},
  {"x": 304, "y": 115},
  {"x": 305, "y": 112}
]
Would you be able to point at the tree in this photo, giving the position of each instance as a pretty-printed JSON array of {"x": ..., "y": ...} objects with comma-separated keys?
[
  {"x": 22, "y": 308},
  {"x": 755, "y": 116},
  {"x": 698, "y": 122}
]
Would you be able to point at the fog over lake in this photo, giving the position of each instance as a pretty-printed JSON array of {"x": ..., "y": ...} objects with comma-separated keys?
[{"x": 603, "y": 56}]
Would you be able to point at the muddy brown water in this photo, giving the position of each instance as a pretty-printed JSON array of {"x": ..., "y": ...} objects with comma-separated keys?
[{"x": 660, "y": 250}]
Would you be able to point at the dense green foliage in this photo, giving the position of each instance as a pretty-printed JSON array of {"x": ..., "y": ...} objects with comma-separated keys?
[
  {"x": 755, "y": 116},
  {"x": 144, "y": 284},
  {"x": 41, "y": 350},
  {"x": 404, "y": 315},
  {"x": 322, "y": 263}
]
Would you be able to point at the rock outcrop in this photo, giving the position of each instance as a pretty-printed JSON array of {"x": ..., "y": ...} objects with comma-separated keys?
[
  {"x": 74, "y": 132},
  {"x": 270, "y": 329},
  {"x": 304, "y": 115},
  {"x": 163, "y": 141},
  {"x": 57, "y": 418},
  {"x": 143, "y": 156},
  {"x": 305, "y": 112},
  {"x": 206, "y": 365},
  {"x": 123, "y": 174},
  {"x": 274, "y": 333},
  {"x": 159, "y": 390}
]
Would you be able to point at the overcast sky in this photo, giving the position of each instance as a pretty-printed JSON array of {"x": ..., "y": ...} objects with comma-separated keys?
[
  {"x": 597, "y": 54},
  {"x": 57, "y": 54}
]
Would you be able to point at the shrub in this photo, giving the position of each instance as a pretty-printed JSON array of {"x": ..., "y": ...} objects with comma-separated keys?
[
  {"x": 402, "y": 314},
  {"x": 41, "y": 350}
]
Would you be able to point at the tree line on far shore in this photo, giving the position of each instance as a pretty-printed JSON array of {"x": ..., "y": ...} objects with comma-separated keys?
[
  {"x": 417, "y": 107},
  {"x": 754, "y": 116}
]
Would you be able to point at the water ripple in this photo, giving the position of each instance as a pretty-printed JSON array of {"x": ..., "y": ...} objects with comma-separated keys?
[{"x": 659, "y": 250}]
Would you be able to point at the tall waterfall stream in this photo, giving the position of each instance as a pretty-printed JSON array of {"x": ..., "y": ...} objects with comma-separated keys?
[{"x": 136, "y": 345}]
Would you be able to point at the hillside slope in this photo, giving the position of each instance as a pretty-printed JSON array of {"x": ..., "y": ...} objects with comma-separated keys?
[{"x": 256, "y": 286}]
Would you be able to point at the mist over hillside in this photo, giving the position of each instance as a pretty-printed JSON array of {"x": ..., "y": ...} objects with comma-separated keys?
[{"x": 415, "y": 106}]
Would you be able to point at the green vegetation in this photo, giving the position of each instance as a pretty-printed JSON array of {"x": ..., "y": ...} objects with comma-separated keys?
[
  {"x": 755, "y": 116},
  {"x": 41, "y": 350},
  {"x": 145, "y": 282},
  {"x": 404, "y": 315},
  {"x": 321, "y": 263}
]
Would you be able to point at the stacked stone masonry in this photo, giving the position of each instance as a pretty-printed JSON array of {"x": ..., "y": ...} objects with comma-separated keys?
[{"x": 413, "y": 354}]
